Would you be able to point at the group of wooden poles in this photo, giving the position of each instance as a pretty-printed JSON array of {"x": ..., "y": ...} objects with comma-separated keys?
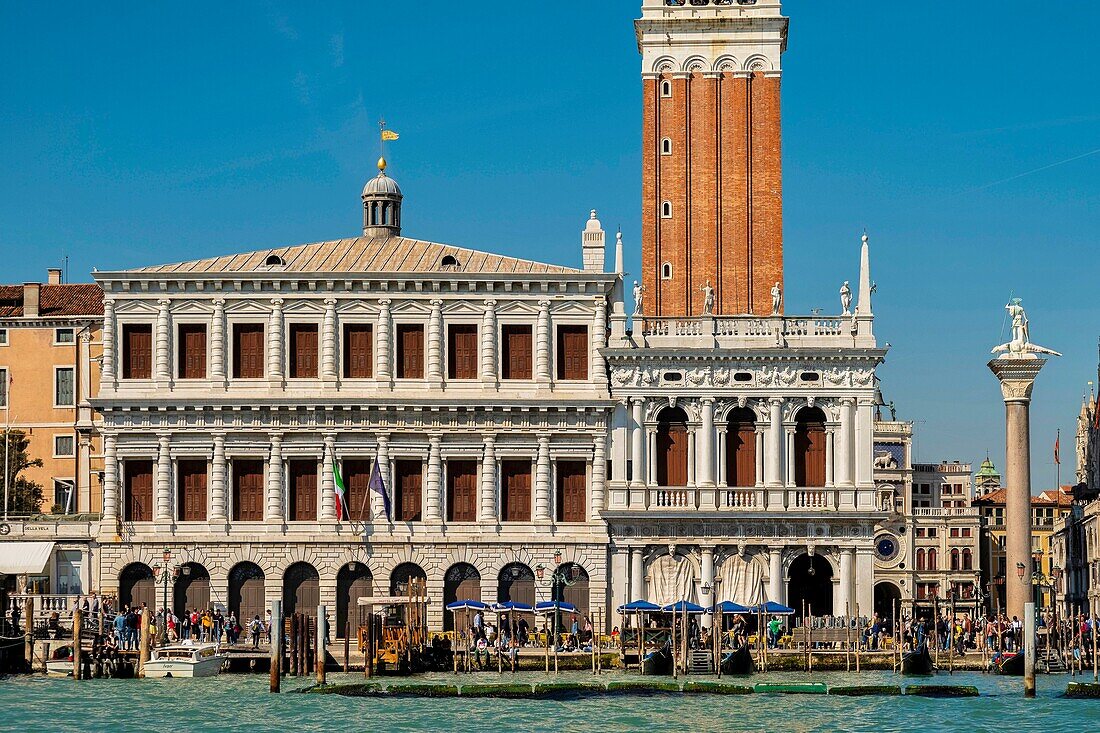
[{"x": 550, "y": 648}]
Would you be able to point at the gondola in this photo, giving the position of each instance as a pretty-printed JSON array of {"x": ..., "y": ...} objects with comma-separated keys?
[
  {"x": 1009, "y": 664},
  {"x": 738, "y": 662},
  {"x": 918, "y": 661},
  {"x": 658, "y": 662}
]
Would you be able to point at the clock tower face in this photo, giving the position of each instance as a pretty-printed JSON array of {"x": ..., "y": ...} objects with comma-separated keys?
[{"x": 886, "y": 547}]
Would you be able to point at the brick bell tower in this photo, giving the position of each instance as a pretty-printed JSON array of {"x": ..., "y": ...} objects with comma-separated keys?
[{"x": 712, "y": 197}]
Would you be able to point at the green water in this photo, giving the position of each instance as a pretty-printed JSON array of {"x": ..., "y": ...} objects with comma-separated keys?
[{"x": 242, "y": 703}]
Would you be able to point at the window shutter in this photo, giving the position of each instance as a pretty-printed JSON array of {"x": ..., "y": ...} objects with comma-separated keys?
[
  {"x": 571, "y": 491},
  {"x": 303, "y": 351},
  {"x": 139, "y": 491},
  {"x": 573, "y": 352},
  {"x": 192, "y": 491},
  {"x": 248, "y": 490},
  {"x": 356, "y": 475},
  {"x": 248, "y": 350},
  {"x": 358, "y": 350},
  {"x": 516, "y": 491},
  {"x": 516, "y": 362},
  {"x": 409, "y": 494},
  {"x": 303, "y": 488},
  {"x": 192, "y": 351},
  {"x": 461, "y": 491},
  {"x": 410, "y": 339},
  {"x": 462, "y": 351},
  {"x": 138, "y": 361}
]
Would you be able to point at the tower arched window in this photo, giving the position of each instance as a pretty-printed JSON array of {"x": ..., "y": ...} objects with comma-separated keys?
[
  {"x": 967, "y": 559},
  {"x": 932, "y": 563},
  {"x": 955, "y": 559},
  {"x": 921, "y": 561},
  {"x": 666, "y": 146},
  {"x": 666, "y": 89},
  {"x": 672, "y": 447},
  {"x": 741, "y": 448},
  {"x": 809, "y": 448},
  {"x": 666, "y": 210},
  {"x": 666, "y": 271}
]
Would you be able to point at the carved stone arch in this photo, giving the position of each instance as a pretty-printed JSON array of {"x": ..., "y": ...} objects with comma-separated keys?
[
  {"x": 664, "y": 65},
  {"x": 762, "y": 410},
  {"x": 247, "y": 554},
  {"x": 358, "y": 555},
  {"x": 508, "y": 557},
  {"x": 758, "y": 62},
  {"x": 792, "y": 553},
  {"x": 726, "y": 63},
  {"x": 792, "y": 407},
  {"x": 464, "y": 555},
  {"x": 415, "y": 555},
  {"x": 130, "y": 556},
  {"x": 305, "y": 554},
  {"x": 695, "y": 63}
]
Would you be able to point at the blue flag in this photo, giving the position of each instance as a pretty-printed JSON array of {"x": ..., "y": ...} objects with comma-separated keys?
[{"x": 377, "y": 484}]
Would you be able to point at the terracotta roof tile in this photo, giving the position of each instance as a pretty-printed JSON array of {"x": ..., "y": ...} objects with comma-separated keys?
[{"x": 75, "y": 299}]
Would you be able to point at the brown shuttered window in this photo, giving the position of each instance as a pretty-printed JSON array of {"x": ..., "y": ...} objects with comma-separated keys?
[
  {"x": 356, "y": 475},
  {"x": 515, "y": 491},
  {"x": 248, "y": 351},
  {"x": 303, "y": 491},
  {"x": 571, "y": 491},
  {"x": 358, "y": 351},
  {"x": 410, "y": 351},
  {"x": 573, "y": 352},
  {"x": 137, "y": 342},
  {"x": 461, "y": 351},
  {"x": 515, "y": 358},
  {"x": 192, "y": 351},
  {"x": 303, "y": 351},
  {"x": 139, "y": 491},
  {"x": 409, "y": 493},
  {"x": 248, "y": 490},
  {"x": 461, "y": 491},
  {"x": 191, "y": 490}
]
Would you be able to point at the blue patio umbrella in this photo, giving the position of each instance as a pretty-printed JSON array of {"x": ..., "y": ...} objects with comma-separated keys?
[
  {"x": 729, "y": 607},
  {"x": 773, "y": 609},
  {"x": 512, "y": 606},
  {"x": 551, "y": 606},
  {"x": 639, "y": 607},
  {"x": 683, "y": 607},
  {"x": 467, "y": 606}
]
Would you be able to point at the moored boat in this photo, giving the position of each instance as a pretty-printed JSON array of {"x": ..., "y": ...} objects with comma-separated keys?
[
  {"x": 918, "y": 661},
  {"x": 1009, "y": 664},
  {"x": 60, "y": 663},
  {"x": 738, "y": 662},
  {"x": 185, "y": 660},
  {"x": 658, "y": 662}
]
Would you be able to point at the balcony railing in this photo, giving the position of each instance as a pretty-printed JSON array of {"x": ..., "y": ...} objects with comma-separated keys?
[
  {"x": 732, "y": 331},
  {"x": 737, "y": 499},
  {"x": 966, "y": 511}
]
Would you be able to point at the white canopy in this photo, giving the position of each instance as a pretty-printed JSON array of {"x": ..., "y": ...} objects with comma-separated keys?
[
  {"x": 24, "y": 558},
  {"x": 390, "y": 600}
]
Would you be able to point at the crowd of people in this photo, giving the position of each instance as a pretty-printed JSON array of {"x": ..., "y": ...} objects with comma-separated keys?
[{"x": 515, "y": 632}]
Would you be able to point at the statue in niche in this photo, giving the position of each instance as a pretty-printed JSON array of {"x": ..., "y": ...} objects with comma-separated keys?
[
  {"x": 777, "y": 299},
  {"x": 846, "y": 299},
  {"x": 708, "y": 299}
]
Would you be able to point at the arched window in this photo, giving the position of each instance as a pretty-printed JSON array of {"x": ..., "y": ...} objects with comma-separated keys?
[
  {"x": 741, "y": 448},
  {"x": 932, "y": 564},
  {"x": 666, "y": 146},
  {"x": 809, "y": 448},
  {"x": 921, "y": 562},
  {"x": 955, "y": 559},
  {"x": 666, "y": 89},
  {"x": 672, "y": 447},
  {"x": 666, "y": 271},
  {"x": 274, "y": 260},
  {"x": 448, "y": 261},
  {"x": 666, "y": 210},
  {"x": 968, "y": 559}
]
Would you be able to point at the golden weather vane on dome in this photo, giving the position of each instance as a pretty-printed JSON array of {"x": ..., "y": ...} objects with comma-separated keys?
[{"x": 385, "y": 136}]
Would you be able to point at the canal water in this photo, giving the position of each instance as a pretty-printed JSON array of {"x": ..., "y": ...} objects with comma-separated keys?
[{"x": 242, "y": 703}]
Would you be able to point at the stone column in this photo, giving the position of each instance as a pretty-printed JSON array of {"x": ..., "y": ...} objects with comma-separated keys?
[
  {"x": 721, "y": 479},
  {"x": 110, "y": 483},
  {"x": 707, "y": 597},
  {"x": 705, "y": 445},
  {"x": 377, "y": 501},
  {"x": 218, "y": 368},
  {"x": 773, "y": 456},
  {"x": 598, "y": 498},
  {"x": 433, "y": 510},
  {"x": 598, "y": 339},
  {"x": 328, "y": 481},
  {"x": 651, "y": 455},
  {"x": 164, "y": 478},
  {"x": 830, "y": 458},
  {"x": 542, "y": 480},
  {"x": 842, "y": 461},
  {"x": 637, "y": 445},
  {"x": 109, "y": 376},
  {"x": 273, "y": 507},
  {"x": 275, "y": 342},
  {"x": 847, "y": 604},
  {"x": 863, "y": 444},
  {"x": 488, "y": 503},
  {"x": 542, "y": 343},
  {"x": 383, "y": 367},
  {"x": 329, "y": 338},
  {"x": 693, "y": 458},
  {"x": 620, "y": 582},
  {"x": 217, "y": 480},
  {"x": 775, "y": 575},
  {"x": 163, "y": 371},
  {"x": 760, "y": 433},
  {"x": 637, "y": 575},
  {"x": 1017, "y": 378},
  {"x": 435, "y": 342},
  {"x": 489, "y": 359},
  {"x": 790, "y": 453}
]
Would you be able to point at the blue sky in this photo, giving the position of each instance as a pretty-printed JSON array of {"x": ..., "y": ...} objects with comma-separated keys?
[{"x": 158, "y": 132}]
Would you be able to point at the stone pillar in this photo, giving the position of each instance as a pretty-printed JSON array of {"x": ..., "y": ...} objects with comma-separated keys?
[
  {"x": 382, "y": 457},
  {"x": 164, "y": 478},
  {"x": 637, "y": 575},
  {"x": 163, "y": 371},
  {"x": 489, "y": 361},
  {"x": 433, "y": 510},
  {"x": 273, "y": 507},
  {"x": 542, "y": 343},
  {"x": 488, "y": 503},
  {"x": 773, "y": 455},
  {"x": 651, "y": 455},
  {"x": 705, "y": 446},
  {"x": 275, "y": 342},
  {"x": 721, "y": 479},
  {"x": 620, "y": 583},
  {"x": 542, "y": 480},
  {"x": 219, "y": 370},
  {"x": 637, "y": 445},
  {"x": 693, "y": 458},
  {"x": 383, "y": 367},
  {"x": 790, "y": 456},
  {"x": 775, "y": 575},
  {"x": 760, "y": 433},
  {"x": 864, "y": 581},
  {"x": 110, "y": 483},
  {"x": 329, "y": 338},
  {"x": 435, "y": 342},
  {"x": 830, "y": 457},
  {"x": 598, "y": 339},
  {"x": 217, "y": 480},
  {"x": 328, "y": 481},
  {"x": 707, "y": 595},
  {"x": 847, "y": 604},
  {"x": 109, "y": 376},
  {"x": 863, "y": 443},
  {"x": 842, "y": 461},
  {"x": 598, "y": 497},
  {"x": 1017, "y": 378}
]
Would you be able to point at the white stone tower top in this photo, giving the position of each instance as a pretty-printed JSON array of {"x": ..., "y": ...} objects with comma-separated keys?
[{"x": 593, "y": 244}]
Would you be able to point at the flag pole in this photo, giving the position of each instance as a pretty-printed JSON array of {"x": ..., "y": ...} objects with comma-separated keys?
[{"x": 7, "y": 440}]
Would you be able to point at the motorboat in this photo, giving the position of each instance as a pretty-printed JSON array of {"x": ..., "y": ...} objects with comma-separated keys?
[
  {"x": 185, "y": 660},
  {"x": 60, "y": 663}
]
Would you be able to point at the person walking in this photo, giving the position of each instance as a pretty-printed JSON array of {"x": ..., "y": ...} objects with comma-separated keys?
[
  {"x": 256, "y": 629},
  {"x": 121, "y": 636}
]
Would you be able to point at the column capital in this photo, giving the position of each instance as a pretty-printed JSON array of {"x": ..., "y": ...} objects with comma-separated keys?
[
  {"x": 708, "y": 401},
  {"x": 384, "y": 302},
  {"x": 1016, "y": 376},
  {"x": 776, "y": 401},
  {"x": 490, "y": 302},
  {"x": 277, "y": 302},
  {"x": 489, "y": 439},
  {"x": 218, "y": 302},
  {"x": 275, "y": 437}
]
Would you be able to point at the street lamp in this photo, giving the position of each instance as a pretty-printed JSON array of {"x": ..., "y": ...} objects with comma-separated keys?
[
  {"x": 1020, "y": 570},
  {"x": 558, "y": 580},
  {"x": 164, "y": 571}
]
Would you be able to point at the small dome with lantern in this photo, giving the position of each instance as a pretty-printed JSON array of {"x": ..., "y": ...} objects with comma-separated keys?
[{"x": 381, "y": 205}]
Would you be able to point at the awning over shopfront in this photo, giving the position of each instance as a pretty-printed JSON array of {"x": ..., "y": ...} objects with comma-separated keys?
[{"x": 24, "y": 558}]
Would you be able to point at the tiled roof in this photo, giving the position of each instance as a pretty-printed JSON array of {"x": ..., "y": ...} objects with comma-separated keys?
[
  {"x": 76, "y": 299},
  {"x": 363, "y": 254},
  {"x": 1046, "y": 498}
]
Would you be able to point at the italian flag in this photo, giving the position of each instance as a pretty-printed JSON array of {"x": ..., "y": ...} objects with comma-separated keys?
[{"x": 341, "y": 494}]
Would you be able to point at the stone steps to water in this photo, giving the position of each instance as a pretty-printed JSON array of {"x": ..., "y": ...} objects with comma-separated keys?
[{"x": 700, "y": 662}]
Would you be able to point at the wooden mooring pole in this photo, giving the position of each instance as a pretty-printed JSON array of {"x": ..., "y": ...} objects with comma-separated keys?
[
  {"x": 347, "y": 646},
  {"x": 848, "y": 635},
  {"x": 322, "y": 633},
  {"x": 276, "y": 641},
  {"x": 78, "y": 651},
  {"x": 143, "y": 640},
  {"x": 28, "y": 625},
  {"x": 859, "y": 638}
]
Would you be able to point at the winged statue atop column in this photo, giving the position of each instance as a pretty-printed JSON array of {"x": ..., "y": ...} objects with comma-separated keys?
[{"x": 1020, "y": 347}]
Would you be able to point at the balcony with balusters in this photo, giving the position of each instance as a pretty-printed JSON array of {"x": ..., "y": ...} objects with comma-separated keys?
[{"x": 731, "y": 332}]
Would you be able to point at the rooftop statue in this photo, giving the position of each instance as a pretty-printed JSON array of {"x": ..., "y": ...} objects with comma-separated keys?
[{"x": 1020, "y": 347}]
